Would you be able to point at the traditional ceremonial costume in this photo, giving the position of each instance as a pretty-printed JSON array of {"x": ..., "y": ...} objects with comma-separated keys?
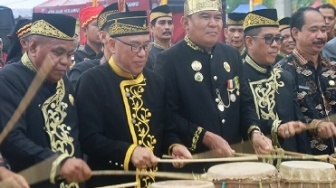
[
  {"x": 157, "y": 12},
  {"x": 273, "y": 90},
  {"x": 206, "y": 91},
  {"x": 236, "y": 19},
  {"x": 86, "y": 16},
  {"x": 49, "y": 126},
  {"x": 81, "y": 67},
  {"x": 119, "y": 111},
  {"x": 19, "y": 31},
  {"x": 316, "y": 93},
  {"x": 283, "y": 24}
]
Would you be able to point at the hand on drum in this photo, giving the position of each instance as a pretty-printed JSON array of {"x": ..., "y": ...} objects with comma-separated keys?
[
  {"x": 75, "y": 170},
  {"x": 326, "y": 129},
  {"x": 291, "y": 128},
  {"x": 261, "y": 144},
  {"x": 180, "y": 152},
  {"x": 143, "y": 158},
  {"x": 218, "y": 145}
]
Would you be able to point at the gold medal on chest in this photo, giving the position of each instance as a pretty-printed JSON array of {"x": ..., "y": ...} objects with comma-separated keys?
[
  {"x": 198, "y": 77},
  {"x": 227, "y": 66},
  {"x": 71, "y": 99},
  {"x": 331, "y": 82},
  {"x": 196, "y": 65},
  {"x": 233, "y": 97}
]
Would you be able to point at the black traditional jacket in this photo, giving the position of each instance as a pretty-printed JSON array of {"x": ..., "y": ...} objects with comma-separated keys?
[
  {"x": 206, "y": 92},
  {"x": 274, "y": 95},
  {"x": 49, "y": 126},
  {"x": 76, "y": 71},
  {"x": 156, "y": 49},
  {"x": 316, "y": 93},
  {"x": 117, "y": 113}
]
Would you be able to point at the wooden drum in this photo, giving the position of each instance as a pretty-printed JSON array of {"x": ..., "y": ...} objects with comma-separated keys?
[
  {"x": 244, "y": 175},
  {"x": 307, "y": 174},
  {"x": 183, "y": 184}
]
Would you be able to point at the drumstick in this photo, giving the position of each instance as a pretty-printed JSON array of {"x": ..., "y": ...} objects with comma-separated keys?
[
  {"x": 317, "y": 157},
  {"x": 133, "y": 184},
  {"x": 186, "y": 176},
  {"x": 225, "y": 159},
  {"x": 27, "y": 98}
]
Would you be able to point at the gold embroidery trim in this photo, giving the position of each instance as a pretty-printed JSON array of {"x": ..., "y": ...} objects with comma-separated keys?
[
  {"x": 274, "y": 132},
  {"x": 138, "y": 118},
  {"x": 42, "y": 27},
  {"x": 23, "y": 30},
  {"x": 54, "y": 113},
  {"x": 256, "y": 20},
  {"x": 102, "y": 18},
  {"x": 196, "y": 138},
  {"x": 253, "y": 64},
  {"x": 26, "y": 62},
  {"x": 118, "y": 28},
  {"x": 118, "y": 70},
  {"x": 194, "y": 6},
  {"x": 233, "y": 22},
  {"x": 54, "y": 167},
  {"x": 155, "y": 15},
  {"x": 282, "y": 27},
  {"x": 128, "y": 156},
  {"x": 252, "y": 128},
  {"x": 192, "y": 45}
]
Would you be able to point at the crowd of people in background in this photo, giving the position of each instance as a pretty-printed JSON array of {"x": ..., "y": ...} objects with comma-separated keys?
[{"x": 129, "y": 95}]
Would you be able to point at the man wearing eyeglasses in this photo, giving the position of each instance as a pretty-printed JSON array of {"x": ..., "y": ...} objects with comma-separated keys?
[
  {"x": 207, "y": 98},
  {"x": 272, "y": 89},
  {"x": 121, "y": 107},
  {"x": 314, "y": 75}
]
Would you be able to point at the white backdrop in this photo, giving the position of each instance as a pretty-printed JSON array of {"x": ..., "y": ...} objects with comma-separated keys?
[{"x": 23, "y": 8}]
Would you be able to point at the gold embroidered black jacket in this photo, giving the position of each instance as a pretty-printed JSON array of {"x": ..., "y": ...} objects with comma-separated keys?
[
  {"x": 49, "y": 125},
  {"x": 206, "y": 92},
  {"x": 118, "y": 113},
  {"x": 316, "y": 93},
  {"x": 274, "y": 95}
]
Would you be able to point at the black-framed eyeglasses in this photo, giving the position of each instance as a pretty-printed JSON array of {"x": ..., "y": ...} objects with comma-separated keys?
[
  {"x": 269, "y": 39},
  {"x": 136, "y": 48}
]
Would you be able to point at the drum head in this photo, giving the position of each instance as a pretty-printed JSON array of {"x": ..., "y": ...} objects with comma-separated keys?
[{"x": 183, "y": 184}]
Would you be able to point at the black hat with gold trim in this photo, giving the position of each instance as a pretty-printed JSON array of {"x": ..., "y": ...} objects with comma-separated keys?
[
  {"x": 235, "y": 18},
  {"x": 21, "y": 29},
  {"x": 58, "y": 26},
  {"x": 261, "y": 18},
  {"x": 284, "y": 23},
  {"x": 195, "y": 6},
  {"x": 127, "y": 23},
  {"x": 160, "y": 11},
  {"x": 111, "y": 9}
]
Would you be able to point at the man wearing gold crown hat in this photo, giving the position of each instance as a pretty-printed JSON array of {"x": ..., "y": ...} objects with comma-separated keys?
[
  {"x": 234, "y": 33},
  {"x": 207, "y": 98},
  {"x": 49, "y": 126},
  {"x": 314, "y": 78},
  {"x": 88, "y": 24},
  {"x": 76, "y": 71},
  {"x": 161, "y": 26},
  {"x": 272, "y": 88},
  {"x": 288, "y": 43},
  {"x": 121, "y": 107}
]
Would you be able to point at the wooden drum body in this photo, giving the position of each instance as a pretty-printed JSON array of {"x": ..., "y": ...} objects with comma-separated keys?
[
  {"x": 244, "y": 175},
  {"x": 183, "y": 184},
  {"x": 307, "y": 174}
]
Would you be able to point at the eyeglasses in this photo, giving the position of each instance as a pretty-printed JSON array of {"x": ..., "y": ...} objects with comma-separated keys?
[
  {"x": 269, "y": 39},
  {"x": 136, "y": 48}
]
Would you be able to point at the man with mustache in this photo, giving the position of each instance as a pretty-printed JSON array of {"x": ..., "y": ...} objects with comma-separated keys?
[
  {"x": 314, "y": 77},
  {"x": 287, "y": 46},
  {"x": 207, "y": 98},
  {"x": 161, "y": 27},
  {"x": 272, "y": 88},
  {"x": 49, "y": 126},
  {"x": 234, "y": 33}
]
